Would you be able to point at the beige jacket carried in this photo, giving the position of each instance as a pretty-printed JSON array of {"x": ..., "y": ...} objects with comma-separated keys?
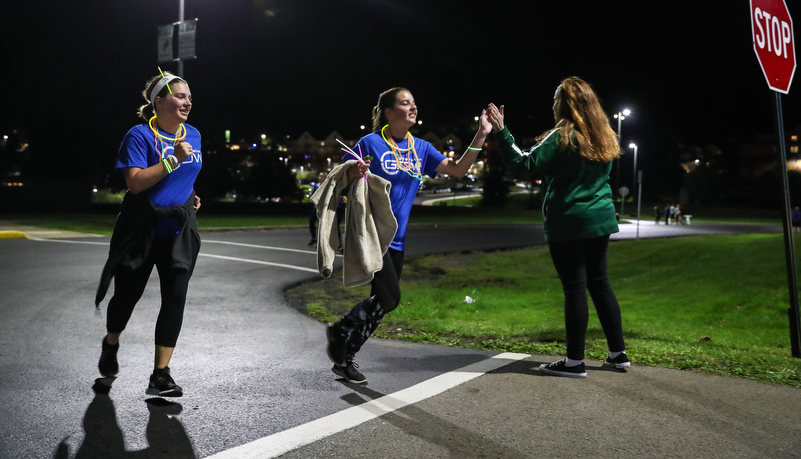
[{"x": 370, "y": 225}]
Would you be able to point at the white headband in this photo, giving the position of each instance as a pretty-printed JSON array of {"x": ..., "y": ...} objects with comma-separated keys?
[{"x": 160, "y": 85}]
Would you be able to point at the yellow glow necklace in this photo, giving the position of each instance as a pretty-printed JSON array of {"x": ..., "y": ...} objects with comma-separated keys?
[
  {"x": 407, "y": 164},
  {"x": 159, "y": 138}
]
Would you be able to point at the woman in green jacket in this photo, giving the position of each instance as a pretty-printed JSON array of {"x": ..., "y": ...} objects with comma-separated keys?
[{"x": 575, "y": 158}]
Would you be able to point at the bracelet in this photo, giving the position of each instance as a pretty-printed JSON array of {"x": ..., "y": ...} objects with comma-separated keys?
[
  {"x": 174, "y": 163},
  {"x": 474, "y": 149},
  {"x": 167, "y": 165}
]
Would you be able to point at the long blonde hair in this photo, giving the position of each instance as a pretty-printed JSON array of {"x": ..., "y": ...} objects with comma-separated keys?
[{"x": 583, "y": 119}]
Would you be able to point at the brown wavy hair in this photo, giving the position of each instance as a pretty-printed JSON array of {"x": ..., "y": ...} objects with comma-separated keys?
[
  {"x": 147, "y": 111},
  {"x": 584, "y": 122}
]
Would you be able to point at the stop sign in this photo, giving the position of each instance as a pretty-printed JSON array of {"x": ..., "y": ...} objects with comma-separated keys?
[{"x": 772, "y": 32}]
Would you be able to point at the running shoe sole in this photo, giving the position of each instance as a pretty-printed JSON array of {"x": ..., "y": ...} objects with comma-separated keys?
[
  {"x": 165, "y": 393},
  {"x": 547, "y": 371}
]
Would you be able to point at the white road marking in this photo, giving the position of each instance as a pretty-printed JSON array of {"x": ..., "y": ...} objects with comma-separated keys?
[
  {"x": 255, "y": 246},
  {"x": 66, "y": 242},
  {"x": 221, "y": 257},
  {"x": 259, "y": 262},
  {"x": 290, "y": 439}
]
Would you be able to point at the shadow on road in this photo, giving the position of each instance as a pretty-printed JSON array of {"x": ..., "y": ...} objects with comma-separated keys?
[
  {"x": 458, "y": 441},
  {"x": 103, "y": 437}
]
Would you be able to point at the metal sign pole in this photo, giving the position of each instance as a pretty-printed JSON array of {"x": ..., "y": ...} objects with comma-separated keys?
[
  {"x": 639, "y": 201},
  {"x": 789, "y": 249}
]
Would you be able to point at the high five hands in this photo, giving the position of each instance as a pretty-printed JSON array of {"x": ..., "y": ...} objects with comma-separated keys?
[{"x": 495, "y": 116}]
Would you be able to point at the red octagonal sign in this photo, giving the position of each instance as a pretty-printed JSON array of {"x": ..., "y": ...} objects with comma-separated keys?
[{"x": 772, "y": 31}]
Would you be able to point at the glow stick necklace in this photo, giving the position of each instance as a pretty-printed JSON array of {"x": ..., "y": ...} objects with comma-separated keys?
[
  {"x": 159, "y": 138},
  {"x": 407, "y": 164}
]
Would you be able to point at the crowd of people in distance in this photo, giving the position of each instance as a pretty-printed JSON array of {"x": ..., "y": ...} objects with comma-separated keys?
[{"x": 673, "y": 213}]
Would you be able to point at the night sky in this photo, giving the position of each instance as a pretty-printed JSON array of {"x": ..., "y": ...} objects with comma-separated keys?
[{"x": 73, "y": 71}]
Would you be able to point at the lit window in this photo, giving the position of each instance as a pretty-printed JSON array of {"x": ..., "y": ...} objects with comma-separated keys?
[
  {"x": 794, "y": 149},
  {"x": 793, "y": 138}
]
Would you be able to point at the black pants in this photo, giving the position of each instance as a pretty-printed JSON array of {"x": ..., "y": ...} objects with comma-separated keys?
[
  {"x": 385, "y": 296},
  {"x": 129, "y": 286},
  {"x": 313, "y": 222},
  {"x": 581, "y": 266}
]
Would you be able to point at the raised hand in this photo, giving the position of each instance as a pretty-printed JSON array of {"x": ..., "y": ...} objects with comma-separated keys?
[
  {"x": 484, "y": 124},
  {"x": 495, "y": 116}
]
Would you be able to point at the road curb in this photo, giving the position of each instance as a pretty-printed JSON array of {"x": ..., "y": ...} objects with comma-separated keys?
[{"x": 13, "y": 235}]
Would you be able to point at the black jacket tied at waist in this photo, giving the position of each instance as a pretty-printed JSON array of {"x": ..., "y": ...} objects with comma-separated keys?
[{"x": 132, "y": 238}]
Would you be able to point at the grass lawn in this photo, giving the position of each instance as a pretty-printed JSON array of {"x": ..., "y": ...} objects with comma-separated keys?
[{"x": 713, "y": 304}]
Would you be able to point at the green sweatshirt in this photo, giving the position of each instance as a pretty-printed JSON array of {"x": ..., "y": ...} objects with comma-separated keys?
[{"x": 577, "y": 199}]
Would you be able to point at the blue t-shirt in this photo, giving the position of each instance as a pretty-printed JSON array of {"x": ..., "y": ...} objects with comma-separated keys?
[
  {"x": 140, "y": 148},
  {"x": 404, "y": 186}
]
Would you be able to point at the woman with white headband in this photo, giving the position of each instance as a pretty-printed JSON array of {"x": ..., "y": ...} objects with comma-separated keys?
[{"x": 160, "y": 160}]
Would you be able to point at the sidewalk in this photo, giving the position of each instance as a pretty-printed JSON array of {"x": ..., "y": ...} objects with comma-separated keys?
[{"x": 518, "y": 412}]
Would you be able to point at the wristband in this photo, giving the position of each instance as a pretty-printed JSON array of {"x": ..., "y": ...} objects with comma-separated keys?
[
  {"x": 167, "y": 165},
  {"x": 174, "y": 163}
]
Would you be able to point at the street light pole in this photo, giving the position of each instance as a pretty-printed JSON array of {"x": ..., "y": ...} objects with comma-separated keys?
[
  {"x": 620, "y": 117},
  {"x": 638, "y": 185},
  {"x": 634, "y": 177},
  {"x": 180, "y": 19}
]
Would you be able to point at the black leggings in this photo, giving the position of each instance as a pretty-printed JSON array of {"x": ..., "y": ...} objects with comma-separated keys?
[
  {"x": 581, "y": 266},
  {"x": 129, "y": 286},
  {"x": 385, "y": 296}
]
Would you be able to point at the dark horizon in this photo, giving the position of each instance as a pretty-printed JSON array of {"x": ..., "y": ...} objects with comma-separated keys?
[{"x": 690, "y": 75}]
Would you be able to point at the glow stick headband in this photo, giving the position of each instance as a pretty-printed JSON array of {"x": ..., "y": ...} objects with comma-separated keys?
[{"x": 164, "y": 81}]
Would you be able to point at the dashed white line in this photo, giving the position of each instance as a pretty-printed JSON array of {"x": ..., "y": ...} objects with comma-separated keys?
[{"x": 290, "y": 439}]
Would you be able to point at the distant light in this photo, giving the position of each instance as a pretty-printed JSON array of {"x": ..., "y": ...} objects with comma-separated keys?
[
  {"x": 94, "y": 190},
  {"x": 361, "y": 127},
  {"x": 264, "y": 136},
  {"x": 254, "y": 145},
  {"x": 420, "y": 122},
  {"x": 627, "y": 112},
  {"x": 5, "y": 137},
  {"x": 632, "y": 145},
  {"x": 475, "y": 118},
  {"x": 697, "y": 161}
]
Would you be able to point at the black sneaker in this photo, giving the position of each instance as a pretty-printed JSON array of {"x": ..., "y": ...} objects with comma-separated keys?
[
  {"x": 108, "y": 365},
  {"x": 560, "y": 369},
  {"x": 621, "y": 362},
  {"x": 337, "y": 345},
  {"x": 162, "y": 384},
  {"x": 350, "y": 372},
  {"x": 313, "y": 241}
]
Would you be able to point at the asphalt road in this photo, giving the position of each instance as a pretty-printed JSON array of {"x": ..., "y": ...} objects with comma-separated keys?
[{"x": 256, "y": 375}]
